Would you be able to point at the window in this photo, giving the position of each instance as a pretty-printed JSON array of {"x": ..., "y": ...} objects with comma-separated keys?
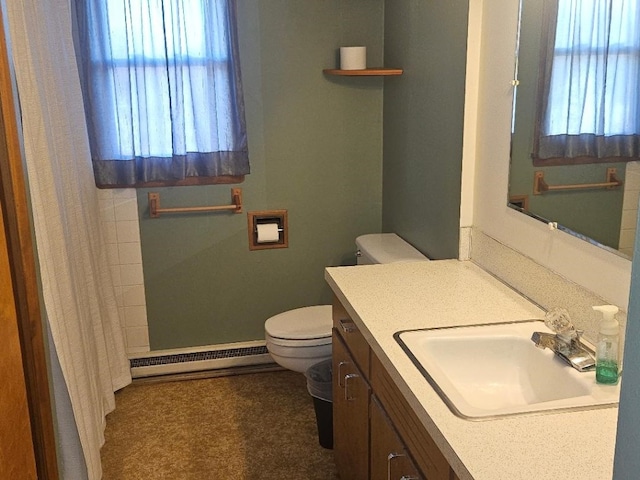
[
  {"x": 162, "y": 91},
  {"x": 589, "y": 108}
]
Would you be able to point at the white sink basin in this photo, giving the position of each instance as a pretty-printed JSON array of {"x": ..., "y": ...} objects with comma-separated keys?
[{"x": 487, "y": 371}]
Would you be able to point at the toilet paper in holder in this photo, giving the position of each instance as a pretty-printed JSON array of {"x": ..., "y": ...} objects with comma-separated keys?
[
  {"x": 268, "y": 232},
  {"x": 268, "y": 229}
]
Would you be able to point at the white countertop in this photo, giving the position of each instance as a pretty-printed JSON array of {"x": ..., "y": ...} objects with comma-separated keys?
[{"x": 384, "y": 299}]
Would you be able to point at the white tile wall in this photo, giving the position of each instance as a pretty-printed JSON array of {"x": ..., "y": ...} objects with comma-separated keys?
[
  {"x": 630, "y": 208},
  {"x": 119, "y": 210}
]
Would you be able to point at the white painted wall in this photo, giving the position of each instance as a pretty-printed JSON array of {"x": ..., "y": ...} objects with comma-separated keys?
[{"x": 492, "y": 42}]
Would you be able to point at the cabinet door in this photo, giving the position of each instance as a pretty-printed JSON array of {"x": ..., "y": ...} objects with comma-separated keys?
[
  {"x": 389, "y": 458},
  {"x": 424, "y": 451},
  {"x": 350, "y": 415}
]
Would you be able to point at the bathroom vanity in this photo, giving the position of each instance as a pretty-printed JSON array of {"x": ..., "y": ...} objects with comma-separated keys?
[
  {"x": 375, "y": 430},
  {"x": 389, "y": 422}
]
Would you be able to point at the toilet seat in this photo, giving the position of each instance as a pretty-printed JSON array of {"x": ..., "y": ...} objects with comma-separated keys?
[
  {"x": 300, "y": 338},
  {"x": 314, "y": 342},
  {"x": 304, "y": 326}
]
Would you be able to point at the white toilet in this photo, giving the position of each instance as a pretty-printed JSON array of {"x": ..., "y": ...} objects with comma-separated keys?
[{"x": 300, "y": 338}]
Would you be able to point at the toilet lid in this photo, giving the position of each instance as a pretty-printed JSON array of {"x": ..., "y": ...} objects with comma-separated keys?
[
  {"x": 301, "y": 323},
  {"x": 387, "y": 248}
]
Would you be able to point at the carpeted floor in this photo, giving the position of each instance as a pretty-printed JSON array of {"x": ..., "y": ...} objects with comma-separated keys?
[{"x": 251, "y": 426}]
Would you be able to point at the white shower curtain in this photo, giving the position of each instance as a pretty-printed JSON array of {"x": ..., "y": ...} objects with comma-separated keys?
[{"x": 78, "y": 293}]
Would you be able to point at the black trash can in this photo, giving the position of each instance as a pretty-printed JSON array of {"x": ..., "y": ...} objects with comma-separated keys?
[{"x": 319, "y": 385}]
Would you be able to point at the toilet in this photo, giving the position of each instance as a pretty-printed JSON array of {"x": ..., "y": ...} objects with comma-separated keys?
[{"x": 299, "y": 338}]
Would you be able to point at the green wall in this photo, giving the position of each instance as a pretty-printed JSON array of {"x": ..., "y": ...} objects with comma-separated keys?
[
  {"x": 315, "y": 146},
  {"x": 586, "y": 211},
  {"x": 423, "y": 122}
]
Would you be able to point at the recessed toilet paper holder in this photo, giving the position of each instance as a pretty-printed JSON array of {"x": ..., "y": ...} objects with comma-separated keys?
[{"x": 274, "y": 221}]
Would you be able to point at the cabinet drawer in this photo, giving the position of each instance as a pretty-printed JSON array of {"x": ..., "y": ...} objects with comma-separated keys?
[
  {"x": 425, "y": 452},
  {"x": 351, "y": 336}
]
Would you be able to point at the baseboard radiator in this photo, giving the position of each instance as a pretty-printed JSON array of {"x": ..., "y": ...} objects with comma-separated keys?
[{"x": 198, "y": 359}]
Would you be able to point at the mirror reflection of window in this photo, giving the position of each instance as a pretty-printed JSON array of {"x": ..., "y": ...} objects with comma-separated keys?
[
  {"x": 589, "y": 95},
  {"x": 595, "y": 214}
]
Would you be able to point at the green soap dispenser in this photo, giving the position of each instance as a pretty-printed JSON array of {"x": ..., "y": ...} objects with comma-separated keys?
[{"x": 607, "y": 349}]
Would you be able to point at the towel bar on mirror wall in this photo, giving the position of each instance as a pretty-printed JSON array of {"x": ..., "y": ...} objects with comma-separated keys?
[
  {"x": 540, "y": 186},
  {"x": 155, "y": 210}
]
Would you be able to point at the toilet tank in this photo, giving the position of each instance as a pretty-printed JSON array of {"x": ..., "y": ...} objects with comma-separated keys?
[{"x": 385, "y": 248}]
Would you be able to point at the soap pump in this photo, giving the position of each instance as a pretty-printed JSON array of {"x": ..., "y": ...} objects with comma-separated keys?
[{"x": 607, "y": 350}]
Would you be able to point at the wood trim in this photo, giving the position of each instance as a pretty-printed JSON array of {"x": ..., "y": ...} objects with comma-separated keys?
[
  {"x": 520, "y": 201},
  {"x": 17, "y": 457},
  {"x": 281, "y": 217},
  {"x": 187, "y": 182},
  {"x": 13, "y": 197},
  {"x": 367, "y": 72},
  {"x": 559, "y": 161}
]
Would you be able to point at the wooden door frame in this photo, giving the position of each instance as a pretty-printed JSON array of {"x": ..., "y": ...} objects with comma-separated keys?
[{"x": 20, "y": 245}]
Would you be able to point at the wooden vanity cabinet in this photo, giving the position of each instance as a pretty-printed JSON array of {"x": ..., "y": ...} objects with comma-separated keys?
[{"x": 376, "y": 434}]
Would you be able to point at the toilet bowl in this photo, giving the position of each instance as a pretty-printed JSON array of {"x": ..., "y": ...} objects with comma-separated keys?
[{"x": 299, "y": 338}]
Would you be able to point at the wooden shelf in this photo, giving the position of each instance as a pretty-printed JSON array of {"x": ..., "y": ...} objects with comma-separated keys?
[{"x": 368, "y": 72}]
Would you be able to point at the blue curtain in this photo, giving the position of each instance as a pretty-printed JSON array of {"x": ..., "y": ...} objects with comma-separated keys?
[
  {"x": 162, "y": 89},
  {"x": 590, "y": 98}
]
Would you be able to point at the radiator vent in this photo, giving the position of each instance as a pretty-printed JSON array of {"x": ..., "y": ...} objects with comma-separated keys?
[
  {"x": 197, "y": 356},
  {"x": 202, "y": 358}
]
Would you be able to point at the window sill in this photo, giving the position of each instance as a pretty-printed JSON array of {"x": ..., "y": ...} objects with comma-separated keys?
[{"x": 187, "y": 182}]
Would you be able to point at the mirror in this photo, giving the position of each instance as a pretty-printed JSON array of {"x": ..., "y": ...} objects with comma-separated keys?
[{"x": 605, "y": 216}]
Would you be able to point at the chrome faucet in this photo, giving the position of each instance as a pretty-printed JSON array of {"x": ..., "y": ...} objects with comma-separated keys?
[{"x": 565, "y": 343}]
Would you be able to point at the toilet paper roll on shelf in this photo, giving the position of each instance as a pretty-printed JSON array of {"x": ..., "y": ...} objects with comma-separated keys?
[
  {"x": 353, "y": 58},
  {"x": 268, "y": 232}
]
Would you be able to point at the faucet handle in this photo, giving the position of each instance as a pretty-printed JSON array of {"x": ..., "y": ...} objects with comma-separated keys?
[{"x": 558, "y": 320}]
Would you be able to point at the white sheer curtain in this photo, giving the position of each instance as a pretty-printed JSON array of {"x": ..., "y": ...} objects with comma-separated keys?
[
  {"x": 162, "y": 89},
  {"x": 78, "y": 292},
  {"x": 591, "y": 85}
]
